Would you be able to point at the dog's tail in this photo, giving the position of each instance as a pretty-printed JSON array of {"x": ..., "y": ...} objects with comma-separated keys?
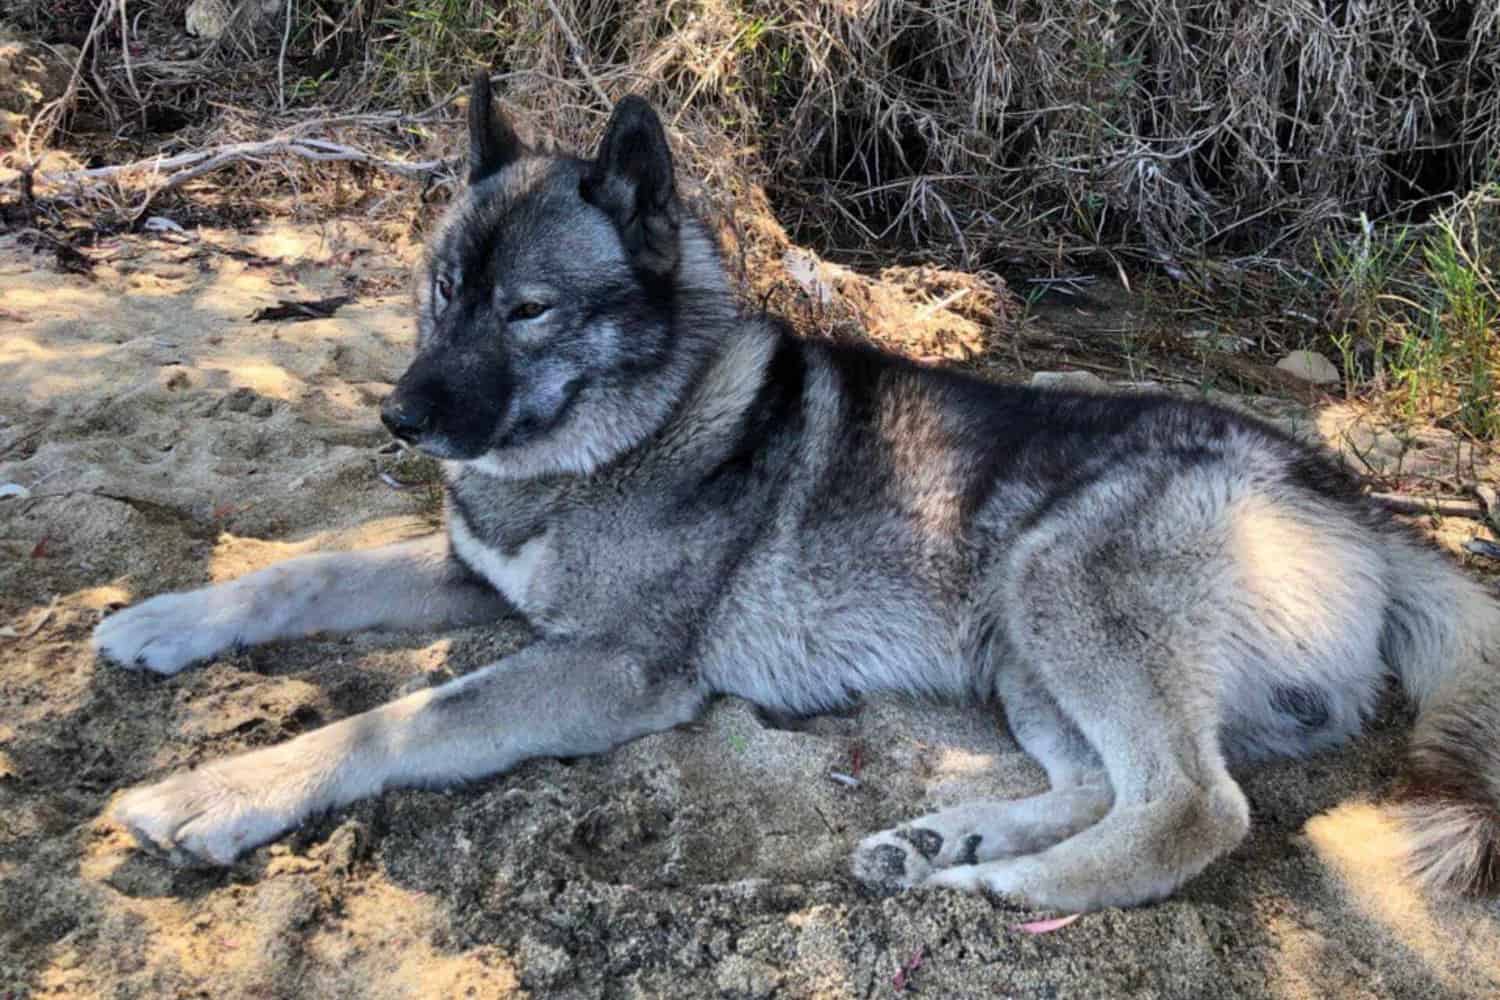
[{"x": 1442, "y": 635}]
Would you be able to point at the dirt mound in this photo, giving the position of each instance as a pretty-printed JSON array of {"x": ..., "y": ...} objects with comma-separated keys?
[
  {"x": 30, "y": 75},
  {"x": 926, "y": 312}
]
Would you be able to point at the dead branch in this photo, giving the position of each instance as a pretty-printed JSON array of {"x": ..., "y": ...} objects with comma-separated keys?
[
  {"x": 575, "y": 48},
  {"x": 189, "y": 166},
  {"x": 1403, "y": 503},
  {"x": 286, "y": 36}
]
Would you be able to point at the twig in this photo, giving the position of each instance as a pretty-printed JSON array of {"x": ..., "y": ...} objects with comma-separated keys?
[
  {"x": 394, "y": 483},
  {"x": 1160, "y": 374},
  {"x": 204, "y": 161},
  {"x": 125, "y": 55},
  {"x": 1403, "y": 503},
  {"x": 36, "y": 626},
  {"x": 312, "y": 149},
  {"x": 933, "y": 308},
  {"x": 1066, "y": 284},
  {"x": 51, "y": 113},
  {"x": 575, "y": 49},
  {"x": 286, "y": 34}
]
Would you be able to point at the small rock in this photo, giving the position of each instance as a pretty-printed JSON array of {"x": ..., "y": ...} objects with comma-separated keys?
[
  {"x": 1075, "y": 381},
  {"x": 209, "y": 19},
  {"x": 807, "y": 271},
  {"x": 1310, "y": 366}
]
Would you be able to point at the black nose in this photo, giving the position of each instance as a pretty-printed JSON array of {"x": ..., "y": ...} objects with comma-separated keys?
[{"x": 404, "y": 420}]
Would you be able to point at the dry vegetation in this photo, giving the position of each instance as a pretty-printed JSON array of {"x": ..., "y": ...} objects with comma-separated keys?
[
  {"x": 1225, "y": 181},
  {"x": 1240, "y": 150}
]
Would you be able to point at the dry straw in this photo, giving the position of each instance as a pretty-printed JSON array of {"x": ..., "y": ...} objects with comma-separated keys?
[{"x": 968, "y": 131}]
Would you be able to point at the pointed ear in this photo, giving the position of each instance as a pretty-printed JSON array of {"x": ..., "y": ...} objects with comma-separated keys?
[
  {"x": 630, "y": 180},
  {"x": 493, "y": 144}
]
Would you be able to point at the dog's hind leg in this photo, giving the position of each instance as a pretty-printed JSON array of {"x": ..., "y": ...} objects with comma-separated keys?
[
  {"x": 1132, "y": 664},
  {"x": 975, "y": 832},
  {"x": 415, "y": 584},
  {"x": 550, "y": 699}
]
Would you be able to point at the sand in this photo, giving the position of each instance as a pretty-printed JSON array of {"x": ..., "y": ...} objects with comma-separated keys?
[{"x": 166, "y": 441}]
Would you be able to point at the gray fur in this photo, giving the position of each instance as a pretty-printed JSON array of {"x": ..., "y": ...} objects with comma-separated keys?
[{"x": 687, "y": 501}]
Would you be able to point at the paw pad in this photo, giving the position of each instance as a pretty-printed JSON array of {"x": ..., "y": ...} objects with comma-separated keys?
[
  {"x": 927, "y": 842},
  {"x": 890, "y": 860}
]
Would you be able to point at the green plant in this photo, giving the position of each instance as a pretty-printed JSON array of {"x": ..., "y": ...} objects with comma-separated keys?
[
  {"x": 427, "y": 49},
  {"x": 1466, "y": 312},
  {"x": 1426, "y": 302}
]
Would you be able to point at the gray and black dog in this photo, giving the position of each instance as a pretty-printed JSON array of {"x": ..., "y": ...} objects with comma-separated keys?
[{"x": 686, "y": 500}]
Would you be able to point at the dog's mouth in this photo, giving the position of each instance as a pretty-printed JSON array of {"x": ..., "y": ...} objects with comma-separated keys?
[
  {"x": 417, "y": 421},
  {"x": 423, "y": 437},
  {"x": 440, "y": 447}
]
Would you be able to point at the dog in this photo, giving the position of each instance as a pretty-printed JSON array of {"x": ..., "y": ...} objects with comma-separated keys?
[{"x": 685, "y": 499}]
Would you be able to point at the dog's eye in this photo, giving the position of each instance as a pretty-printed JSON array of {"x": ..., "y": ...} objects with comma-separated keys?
[
  {"x": 528, "y": 310},
  {"x": 442, "y": 287}
]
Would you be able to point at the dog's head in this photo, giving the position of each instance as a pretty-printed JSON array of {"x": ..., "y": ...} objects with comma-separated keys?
[{"x": 552, "y": 302}]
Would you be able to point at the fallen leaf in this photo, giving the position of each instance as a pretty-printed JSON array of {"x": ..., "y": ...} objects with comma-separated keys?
[
  {"x": 1483, "y": 547},
  {"x": 291, "y": 311},
  {"x": 902, "y": 979}
]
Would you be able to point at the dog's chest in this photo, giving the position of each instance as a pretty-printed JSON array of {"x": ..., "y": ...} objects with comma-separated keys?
[{"x": 513, "y": 573}]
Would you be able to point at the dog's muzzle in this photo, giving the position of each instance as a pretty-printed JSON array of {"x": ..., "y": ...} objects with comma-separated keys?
[{"x": 402, "y": 419}]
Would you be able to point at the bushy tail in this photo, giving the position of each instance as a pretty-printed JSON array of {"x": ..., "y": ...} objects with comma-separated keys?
[{"x": 1442, "y": 634}]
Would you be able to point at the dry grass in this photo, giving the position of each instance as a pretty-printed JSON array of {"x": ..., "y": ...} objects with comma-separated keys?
[
  {"x": 971, "y": 131},
  {"x": 1243, "y": 149}
]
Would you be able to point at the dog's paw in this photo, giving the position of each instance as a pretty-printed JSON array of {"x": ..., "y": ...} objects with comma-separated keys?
[
  {"x": 168, "y": 632},
  {"x": 209, "y": 815},
  {"x": 892, "y": 860}
]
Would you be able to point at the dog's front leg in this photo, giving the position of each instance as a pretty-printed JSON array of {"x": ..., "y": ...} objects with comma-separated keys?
[
  {"x": 416, "y": 584},
  {"x": 562, "y": 698}
]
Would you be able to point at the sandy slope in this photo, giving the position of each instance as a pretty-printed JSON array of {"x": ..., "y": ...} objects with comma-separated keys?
[{"x": 167, "y": 441}]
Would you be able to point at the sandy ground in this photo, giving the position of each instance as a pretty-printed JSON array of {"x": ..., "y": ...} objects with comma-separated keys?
[{"x": 166, "y": 441}]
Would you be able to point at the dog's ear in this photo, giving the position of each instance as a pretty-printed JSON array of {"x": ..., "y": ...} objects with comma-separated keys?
[
  {"x": 493, "y": 144},
  {"x": 630, "y": 180}
]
